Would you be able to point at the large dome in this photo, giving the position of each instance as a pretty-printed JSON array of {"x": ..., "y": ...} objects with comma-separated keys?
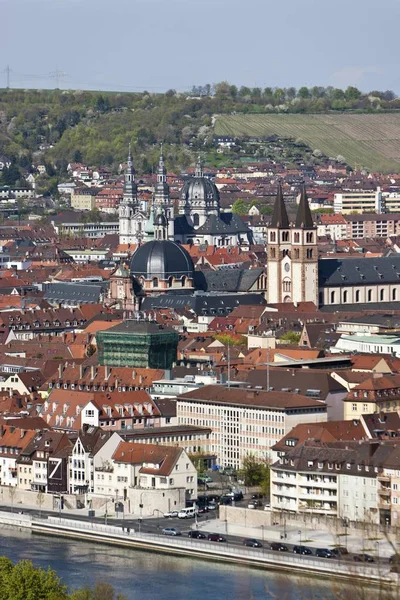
[
  {"x": 162, "y": 259},
  {"x": 200, "y": 188}
]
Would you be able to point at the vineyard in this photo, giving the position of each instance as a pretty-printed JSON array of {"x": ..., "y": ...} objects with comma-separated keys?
[{"x": 371, "y": 141}]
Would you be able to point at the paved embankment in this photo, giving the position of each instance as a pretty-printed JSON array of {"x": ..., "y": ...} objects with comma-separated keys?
[{"x": 261, "y": 558}]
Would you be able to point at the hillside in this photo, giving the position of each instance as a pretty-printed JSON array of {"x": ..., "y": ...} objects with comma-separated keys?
[{"x": 364, "y": 140}]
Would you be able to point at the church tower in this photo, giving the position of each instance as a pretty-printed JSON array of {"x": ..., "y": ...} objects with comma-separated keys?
[
  {"x": 292, "y": 254},
  {"x": 162, "y": 198},
  {"x": 304, "y": 254},
  {"x": 128, "y": 204},
  {"x": 279, "y": 280}
]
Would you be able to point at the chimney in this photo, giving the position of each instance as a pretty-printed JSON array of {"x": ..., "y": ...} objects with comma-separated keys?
[
  {"x": 81, "y": 371},
  {"x": 133, "y": 374},
  {"x": 140, "y": 379},
  {"x": 60, "y": 371},
  {"x": 92, "y": 372},
  {"x": 22, "y": 434},
  {"x": 107, "y": 372}
]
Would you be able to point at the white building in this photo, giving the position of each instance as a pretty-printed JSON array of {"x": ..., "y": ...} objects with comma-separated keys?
[{"x": 245, "y": 421}]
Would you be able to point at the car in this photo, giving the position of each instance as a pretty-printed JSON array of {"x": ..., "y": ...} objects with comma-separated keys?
[
  {"x": 212, "y": 506},
  {"x": 216, "y": 537},
  {"x": 205, "y": 479},
  {"x": 302, "y": 550},
  {"x": 254, "y": 504},
  {"x": 252, "y": 543},
  {"x": 171, "y": 531},
  {"x": 202, "y": 510},
  {"x": 363, "y": 558},
  {"x": 171, "y": 514},
  {"x": 279, "y": 547},
  {"x": 226, "y": 500},
  {"x": 267, "y": 506},
  {"x": 256, "y": 496},
  {"x": 339, "y": 551},
  {"x": 323, "y": 553},
  {"x": 197, "y": 535}
]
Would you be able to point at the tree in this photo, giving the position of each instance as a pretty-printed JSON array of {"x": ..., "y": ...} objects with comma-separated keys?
[
  {"x": 40, "y": 501},
  {"x": 240, "y": 207},
  {"x": 12, "y": 491},
  {"x": 101, "y": 591},
  {"x": 26, "y": 582},
  {"x": 291, "y": 336},
  {"x": 256, "y": 472}
]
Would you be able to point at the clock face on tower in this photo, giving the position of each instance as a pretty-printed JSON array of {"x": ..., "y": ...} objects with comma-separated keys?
[{"x": 287, "y": 267}]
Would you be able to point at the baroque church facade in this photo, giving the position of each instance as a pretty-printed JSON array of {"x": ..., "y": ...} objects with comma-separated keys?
[{"x": 199, "y": 219}]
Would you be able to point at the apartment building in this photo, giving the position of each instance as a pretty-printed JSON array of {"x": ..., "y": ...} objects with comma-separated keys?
[
  {"x": 12, "y": 441},
  {"x": 349, "y": 202},
  {"x": 372, "y": 225},
  {"x": 334, "y": 226},
  {"x": 84, "y": 198},
  {"x": 354, "y": 480},
  {"x": 245, "y": 421}
]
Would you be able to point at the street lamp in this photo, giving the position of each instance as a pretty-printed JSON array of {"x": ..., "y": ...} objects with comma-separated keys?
[
  {"x": 158, "y": 516},
  {"x": 377, "y": 550},
  {"x": 141, "y": 511},
  {"x": 300, "y": 536}
]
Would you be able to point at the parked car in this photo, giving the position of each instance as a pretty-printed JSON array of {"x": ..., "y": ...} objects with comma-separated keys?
[
  {"x": 278, "y": 546},
  {"x": 302, "y": 550},
  {"x": 212, "y": 506},
  {"x": 204, "y": 479},
  {"x": 256, "y": 496},
  {"x": 252, "y": 543},
  {"x": 216, "y": 537},
  {"x": 323, "y": 553},
  {"x": 254, "y": 504},
  {"x": 363, "y": 558},
  {"x": 203, "y": 509},
  {"x": 226, "y": 500},
  {"x": 171, "y": 531},
  {"x": 197, "y": 535},
  {"x": 339, "y": 551},
  {"x": 171, "y": 514},
  {"x": 267, "y": 506}
]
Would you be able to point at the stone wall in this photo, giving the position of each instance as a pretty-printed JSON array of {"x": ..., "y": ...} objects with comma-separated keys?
[{"x": 15, "y": 497}]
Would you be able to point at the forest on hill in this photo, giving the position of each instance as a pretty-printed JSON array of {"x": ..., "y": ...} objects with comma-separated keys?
[{"x": 56, "y": 127}]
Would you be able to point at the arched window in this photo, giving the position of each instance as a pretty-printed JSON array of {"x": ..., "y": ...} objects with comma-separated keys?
[
  {"x": 332, "y": 297},
  {"x": 196, "y": 220},
  {"x": 155, "y": 282},
  {"x": 309, "y": 252},
  {"x": 296, "y": 253},
  {"x": 296, "y": 237},
  {"x": 183, "y": 281},
  {"x": 287, "y": 286},
  {"x": 272, "y": 236},
  {"x": 394, "y": 294},
  {"x": 345, "y": 295},
  {"x": 285, "y": 236},
  {"x": 170, "y": 281},
  {"x": 285, "y": 252},
  {"x": 357, "y": 295},
  {"x": 369, "y": 296},
  {"x": 309, "y": 238},
  {"x": 273, "y": 253},
  {"x": 382, "y": 295}
]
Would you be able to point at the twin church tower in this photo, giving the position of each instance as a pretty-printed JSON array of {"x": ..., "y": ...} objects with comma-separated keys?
[{"x": 292, "y": 254}]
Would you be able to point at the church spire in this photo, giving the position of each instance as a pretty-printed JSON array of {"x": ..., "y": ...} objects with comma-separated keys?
[
  {"x": 161, "y": 171},
  {"x": 304, "y": 218},
  {"x": 280, "y": 217},
  {"x": 130, "y": 188},
  {"x": 199, "y": 168}
]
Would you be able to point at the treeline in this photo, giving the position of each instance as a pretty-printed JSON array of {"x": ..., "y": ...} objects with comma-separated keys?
[{"x": 56, "y": 127}]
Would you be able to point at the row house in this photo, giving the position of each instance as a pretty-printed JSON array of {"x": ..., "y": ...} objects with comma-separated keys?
[
  {"x": 352, "y": 480},
  {"x": 373, "y": 395},
  {"x": 27, "y": 325},
  {"x": 111, "y": 411},
  {"x": 145, "y": 467},
  {"x": 99, "y": 378},
  {"x": 90, "y": 442},
  {"x": 245, "y": 421},
  {"x": 34, "y": 460},
  {"x": 12, "y": 441}
]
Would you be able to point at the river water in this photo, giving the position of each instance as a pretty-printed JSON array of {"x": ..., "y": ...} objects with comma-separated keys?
[{"x": 150, "y": 576}]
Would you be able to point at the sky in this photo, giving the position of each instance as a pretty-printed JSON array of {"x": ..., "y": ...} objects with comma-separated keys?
[{"x": 133, "y": 45}]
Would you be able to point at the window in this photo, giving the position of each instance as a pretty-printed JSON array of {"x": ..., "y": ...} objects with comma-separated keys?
[
  {"x": 309, "y": 253},
  {"x": 272, "y": 236},
  {"x": 297, "y": 238},
  {"x": 285, "y": 236},
  {"x": 345, "y": 295},
  {"x": 332, "y": 297},
  {"x": 365, "y": 407},
  {"x": 394, "y": 294},
  {"x": 357, "y": 295},
  {"x": 369, "y": 296},
  {"x": 90, "y": 412},
  {"x": 354, "y": 406},
  {"x": 382, "y": 295}
]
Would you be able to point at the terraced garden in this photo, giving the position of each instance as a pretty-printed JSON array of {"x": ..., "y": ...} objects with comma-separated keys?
[{"x": 365, "y": 140}]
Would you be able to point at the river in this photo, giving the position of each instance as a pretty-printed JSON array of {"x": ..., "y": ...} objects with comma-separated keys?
[{"x": 150, "y": 576}]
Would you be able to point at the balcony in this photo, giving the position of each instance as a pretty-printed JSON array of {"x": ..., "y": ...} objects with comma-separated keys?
[
  {"x": 384, "y": 491},
  {"x": 105, "y": 469},
  {"x": 384, "y": 504},
  {"x": 383, "y": 478}
]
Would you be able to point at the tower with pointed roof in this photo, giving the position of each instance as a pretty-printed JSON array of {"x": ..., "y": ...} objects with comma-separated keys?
[
  {"x": 131, "y": 220},
  {"x": 292, "y": 254},
  {"x": 304, "y": 253},
  {"x": 162, "y": 200}
]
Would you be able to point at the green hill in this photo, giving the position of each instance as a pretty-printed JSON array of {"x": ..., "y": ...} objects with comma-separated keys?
[{"x": 364, "y": 140}]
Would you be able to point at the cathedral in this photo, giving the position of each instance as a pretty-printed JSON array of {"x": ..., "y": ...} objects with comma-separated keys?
[{"x": 199, "y": 219}]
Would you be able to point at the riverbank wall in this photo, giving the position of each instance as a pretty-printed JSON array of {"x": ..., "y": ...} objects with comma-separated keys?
[{"x": 201, "y": 549}]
